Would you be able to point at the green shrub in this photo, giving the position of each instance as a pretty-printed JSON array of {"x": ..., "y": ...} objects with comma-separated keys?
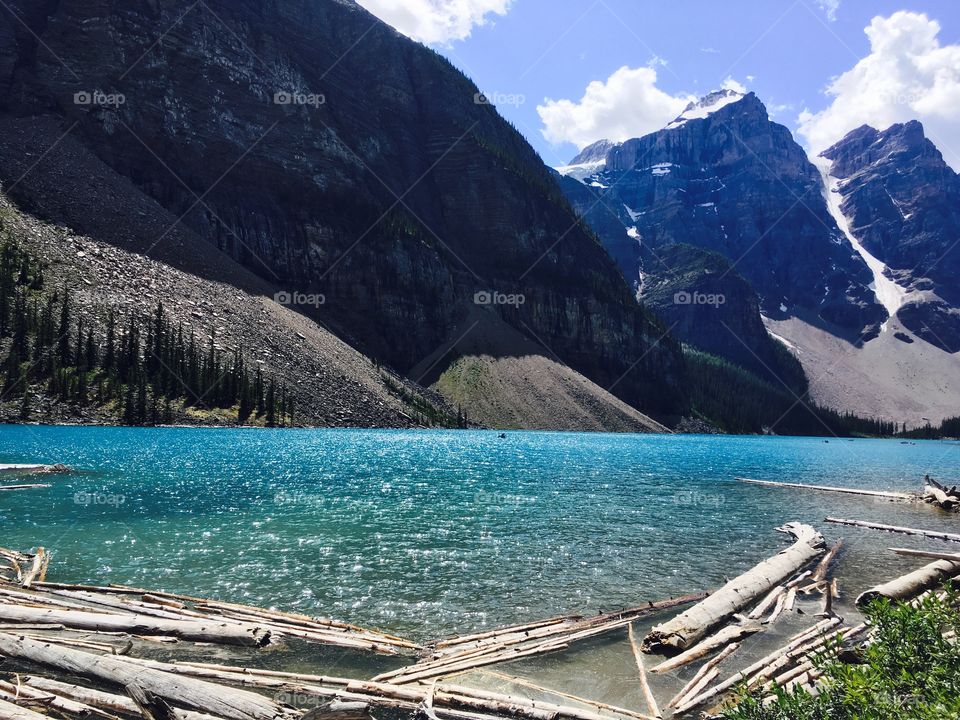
[{"x": 909, "y": 672}]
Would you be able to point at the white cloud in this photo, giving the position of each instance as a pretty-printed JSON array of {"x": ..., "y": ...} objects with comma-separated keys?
[
  {"x": 731, "y": 84},
  {"x": 628, "y": 104},
  {"x": 436, "y": 21},
  {"x": 830, "y": 7},
  {"x": 908, "y": 75}
]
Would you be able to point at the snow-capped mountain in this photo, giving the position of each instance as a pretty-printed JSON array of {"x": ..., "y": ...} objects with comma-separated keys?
[
  {"x": 857, "y": 247},
  {"x": 706, "y": 106},
  {"x": 902, "y": 202}
]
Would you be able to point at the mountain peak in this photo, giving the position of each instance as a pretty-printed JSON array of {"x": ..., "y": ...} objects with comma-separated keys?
[
  {"x": 594, "y": 152},
  {"x": 707, "y": 105}
]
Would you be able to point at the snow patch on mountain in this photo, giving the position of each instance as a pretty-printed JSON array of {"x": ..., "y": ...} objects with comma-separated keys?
[
  {"x": 582, "y": 171},
  {"x": 706, "y": 106},
  {"x": 889, "y": 294}
]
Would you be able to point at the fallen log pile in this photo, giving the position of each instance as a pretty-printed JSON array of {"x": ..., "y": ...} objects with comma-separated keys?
[
  {"x": 80, "y": 653},
  {"x": 690, "y": 627},
  {"x": 83, "y": 651},
  {"x": 469, "y": 652},
  {"x": 794, "y": 665}
]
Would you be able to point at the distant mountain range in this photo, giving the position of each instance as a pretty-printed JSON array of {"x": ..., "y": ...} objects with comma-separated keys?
[{"x": 847, "y": 262}]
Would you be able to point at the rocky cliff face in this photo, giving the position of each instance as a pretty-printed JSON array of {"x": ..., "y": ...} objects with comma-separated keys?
[
  {"x": 903, "y": 205},
  {"x": 724, "y": 178},
  {"x": 325, "y": 152}
]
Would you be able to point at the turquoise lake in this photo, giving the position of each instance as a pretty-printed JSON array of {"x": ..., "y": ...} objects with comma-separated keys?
[{"x": 427, "y": 533}]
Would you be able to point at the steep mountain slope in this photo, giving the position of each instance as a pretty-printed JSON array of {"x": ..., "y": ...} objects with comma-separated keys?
[
  {"x": 324, "y": 152},
  {"x": 903, "y": 205},
  {"x": 725, "y": 178},
  {"x": 334, "y": 384}
]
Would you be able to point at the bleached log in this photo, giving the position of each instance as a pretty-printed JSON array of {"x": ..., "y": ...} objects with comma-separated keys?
[
  {"x": 939, "y": 498},
  {"x": 648, "y": 697},
  {"x": 12, "y": 692},
  {"x": 225, "y": 702},
  {"x": 708, "y": 669},
  {"x": 99, "y": 699},
  {"x": 767, "y": 602},
  {"x": 759, "y": 668},
  {"x": 524, "y": 682},
  {"x": 912, "y": 584},
  {"x": 139, "y": 625},
  {"x": 9, "y": 711},
  {"x": 887, "y": 495},
  {"x": 691, "y": 626},
  {"x": 722, "y": 638},
  {"x": 953, "y": 557},
  {"x": 37, "y": 569},
  {"x": 823, "y": 567},
  {"x": 692, "y": 690},
  {"x": 936, "y": 535},
  {"x": 33, "y": 486}
]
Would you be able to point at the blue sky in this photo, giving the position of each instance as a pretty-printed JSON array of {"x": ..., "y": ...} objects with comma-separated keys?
[{"x": 787, "y": 51}]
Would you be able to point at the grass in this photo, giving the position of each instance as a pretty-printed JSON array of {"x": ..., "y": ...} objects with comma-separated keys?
[{"x": 909, "y": 672}]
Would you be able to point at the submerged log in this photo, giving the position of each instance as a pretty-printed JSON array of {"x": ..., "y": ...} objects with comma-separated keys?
[
  {"x": 27, "y": 469},
  {"x": 210, "y": 632},
  {"x": 886, "y": 494},
  {"x": 706, "y": 674},
  {"x": 936, "y": 535},
  {"x": 954, "y": 557},
  {"x": 912, "y": 584},
  {"x": 691, "y": 626},
  {"x": 823, "y": 567},
  {"x": 724, "y": 637},
  {"x": 642, "y": 674},
  {"x": 224, "y": 702}
]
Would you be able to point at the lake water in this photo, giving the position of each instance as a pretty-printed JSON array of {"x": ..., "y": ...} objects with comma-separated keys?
[{"x": 428, "y": 533}]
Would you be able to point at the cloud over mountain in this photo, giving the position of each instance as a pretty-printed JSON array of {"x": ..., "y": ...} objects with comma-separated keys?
[
  {"x": 436, "y": 21},
  {"x": 908, "y": 75}
]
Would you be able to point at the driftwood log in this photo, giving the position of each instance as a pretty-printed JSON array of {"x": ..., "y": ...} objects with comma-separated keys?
[
  {"x": 886, "y": 494},
  {"x": 692, "y": 626},
  {"x": 912, "y": 584},
  {"x": 103, "y": 701},
  {"x": 205, "y": 631},
  {"x": 936, "y": 535},
  {"x": 721, "y": 639},
  {"x": 9, "y": 711},
  {"x": 218, "y": 700}
]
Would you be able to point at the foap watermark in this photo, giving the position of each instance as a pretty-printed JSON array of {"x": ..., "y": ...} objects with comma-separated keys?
[
  {"x": 87, "y": 498},
  {"x": 499, "y": 98},
  {"x": 300, "y": 700},
  {"x": 698, "y": 298},
  {"x": 99, "y": 98},
  {"x": 503, "y": 499},
  {"x": 100, "y": 297},
  {"x": 697, "y": 498},
  {"x": 908, "y": 99},
  {"x": 492, "y": 297},
  {"x": 284, "y": 97},
  {"x": 286, "y": 497},
  {"x": 300, "y": 299}
]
